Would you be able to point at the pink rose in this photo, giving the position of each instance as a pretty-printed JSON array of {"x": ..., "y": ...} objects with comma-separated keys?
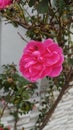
[
  {"x": 4, "y": 3},
  {"x": 54, "y": 58},
  {"x": 31, "y": 61},
  {"x": 41, "y": 59},
  {"x": 1, "y": 128}
]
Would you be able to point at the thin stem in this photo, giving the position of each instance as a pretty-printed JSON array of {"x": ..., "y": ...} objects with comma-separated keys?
[
  {"x": 68, "y": 30},
  {"x": 16, "y": 120},
  {"x": 70, "y": 54},
  {"x": 19, "y": 22},
  {"x": 27, "y": 12},
  {"x": 3, "y": 110},
  {"x": 50, "y": 112},
  {"x": 22, "y": 37}
]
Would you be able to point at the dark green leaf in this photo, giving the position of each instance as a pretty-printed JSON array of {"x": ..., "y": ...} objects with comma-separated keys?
[
  {"x": 70, "y": 61},
  {"x": 31, "y": 3},
  {"x": 5, "y": 128},
  {"x": 42, "y": 7},
  {"x": 60, "y": 4}
]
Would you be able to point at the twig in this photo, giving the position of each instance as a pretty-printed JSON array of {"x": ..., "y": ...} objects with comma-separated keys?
[
  {"x": 22, "y": 37},
  {"x": 27, "y": 12},
  {"x": 70, "y": 54},
  {"x": 68, "y": 30},
  {"x": 50, "y": 112},
  {"x": 19, "y": 22},
  {"x": 3, "y": 110}
]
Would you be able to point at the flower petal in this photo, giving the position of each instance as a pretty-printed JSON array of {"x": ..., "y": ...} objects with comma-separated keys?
[
  {"x": 52, "y": 59},
  {"x": 56, "y": 71}
]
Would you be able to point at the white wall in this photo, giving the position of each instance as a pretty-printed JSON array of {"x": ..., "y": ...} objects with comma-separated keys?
[{"x": 11, "y": 44}]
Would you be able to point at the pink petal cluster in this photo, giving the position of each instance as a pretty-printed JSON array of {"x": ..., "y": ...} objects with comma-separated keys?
[
  {"x": 1, "y": 128},
  {"x": 40, "y": 59},
  {"x": 4, "y": 3}
]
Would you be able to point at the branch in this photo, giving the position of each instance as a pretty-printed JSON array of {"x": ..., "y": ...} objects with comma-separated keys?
[
  {"x": 19, "y": 22},
  {"x": 50, "y": 112},
  {"x": 68, "y": 30},
  {"x": 3, "y": 110}
]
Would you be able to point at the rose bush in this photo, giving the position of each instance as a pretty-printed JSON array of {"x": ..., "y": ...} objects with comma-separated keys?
[{"x": 40, "y": 59}]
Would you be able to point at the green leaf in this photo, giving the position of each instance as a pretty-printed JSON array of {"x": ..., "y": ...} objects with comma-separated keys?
[
  {"x": 5, "y": 128},
  {"x": 70, "y": 61},
  {"x": 25, "y": 94},
  {"x": 42, "y": 7},
  {"x": 60, "y": 4},
  {"x": 31, "y": 3}
]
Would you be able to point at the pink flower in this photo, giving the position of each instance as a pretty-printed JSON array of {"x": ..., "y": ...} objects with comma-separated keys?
[
  {"x": 41, "y": 59},
  {"x": 4, "y": 3},
  {"x": 31, "y": 61},
  {"x": 1, "y": 128},
  {"x": 54, "y": 58}
]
